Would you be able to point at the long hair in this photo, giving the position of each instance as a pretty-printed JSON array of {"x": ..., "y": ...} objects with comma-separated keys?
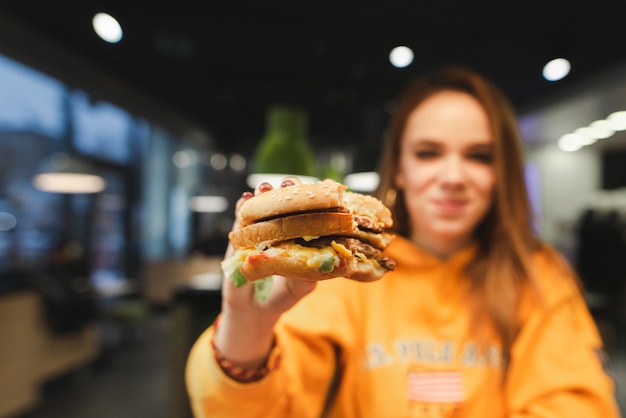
[{"x": 500, "y": 269}]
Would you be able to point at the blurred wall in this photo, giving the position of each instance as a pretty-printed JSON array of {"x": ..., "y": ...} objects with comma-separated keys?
[{"x": 568, "y": 180}]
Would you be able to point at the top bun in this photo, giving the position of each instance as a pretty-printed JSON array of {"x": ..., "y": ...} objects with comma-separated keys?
[
  {"x": 308, "y": 197},
  {"x": 292, "y": 199},
  {"x": 369, "y": 206},
  {"x": 296, "y": 226}
]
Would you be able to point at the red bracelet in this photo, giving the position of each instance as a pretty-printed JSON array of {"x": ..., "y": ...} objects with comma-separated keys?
[{"x": 239, "y": 373}]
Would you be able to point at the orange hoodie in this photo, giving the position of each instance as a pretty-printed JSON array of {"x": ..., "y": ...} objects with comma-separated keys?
[{"x": 401, "y": 347}]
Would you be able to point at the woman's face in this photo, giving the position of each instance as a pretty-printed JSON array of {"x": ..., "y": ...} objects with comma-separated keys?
[{"x": 445, "y": 170}]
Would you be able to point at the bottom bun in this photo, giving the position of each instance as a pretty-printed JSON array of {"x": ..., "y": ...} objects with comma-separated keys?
[{"x": 304, "y": 263}]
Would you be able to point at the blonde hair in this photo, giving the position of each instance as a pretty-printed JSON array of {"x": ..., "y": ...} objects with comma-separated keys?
[{"x": 500, "y": 269}]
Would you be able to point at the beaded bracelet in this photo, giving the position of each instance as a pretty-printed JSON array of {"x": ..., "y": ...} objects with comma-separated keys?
[{"x": 239, "y": 373}]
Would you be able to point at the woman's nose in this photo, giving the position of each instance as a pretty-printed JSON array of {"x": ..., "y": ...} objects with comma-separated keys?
[{"x": 452, "y": 170}]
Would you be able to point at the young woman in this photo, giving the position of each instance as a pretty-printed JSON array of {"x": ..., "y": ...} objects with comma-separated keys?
[{"x": 479, "y": 318}]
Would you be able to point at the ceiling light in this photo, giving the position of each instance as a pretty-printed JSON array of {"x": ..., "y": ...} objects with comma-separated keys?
[
  {"x": 570, "y": 142},
  {"x": 218, "y": 161},
  {"x": 237, "y": 162},
  {"x": 556, "y": 69},
  {"x": 587, "y": 136},
  {"x": 182, "y": 159},
  {"x": 601, "y": 129},
  {"x": 617, "y": 120},
  {"x": 61, "y": 173},
  {"x": 7, "y": 221},
  {"x": 107, "y": 28},
  {"x": 401, "y": 56}
]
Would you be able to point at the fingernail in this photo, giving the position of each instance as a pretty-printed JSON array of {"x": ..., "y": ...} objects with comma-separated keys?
[
  {"x": 265, "y": 187},
  {"x": 287, "y": 182},
  {"x": 246, "y": 195}
]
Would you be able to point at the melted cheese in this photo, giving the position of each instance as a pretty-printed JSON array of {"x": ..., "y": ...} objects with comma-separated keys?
[
  {"x": 341, "y": 249},
  {"x": 313, "y": 257}
]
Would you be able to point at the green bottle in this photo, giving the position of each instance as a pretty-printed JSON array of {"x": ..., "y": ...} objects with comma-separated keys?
[{"x": 285, "y": 149}]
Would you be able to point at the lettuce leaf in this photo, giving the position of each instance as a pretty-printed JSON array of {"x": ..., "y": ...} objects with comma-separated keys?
[{"x": 262, "y": 288}]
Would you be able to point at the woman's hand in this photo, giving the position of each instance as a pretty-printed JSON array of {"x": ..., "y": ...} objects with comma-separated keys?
[{"x": 245, "y": 335}]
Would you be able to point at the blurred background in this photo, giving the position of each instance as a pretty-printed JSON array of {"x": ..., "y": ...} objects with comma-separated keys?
[{"x": 155, "y": 116}]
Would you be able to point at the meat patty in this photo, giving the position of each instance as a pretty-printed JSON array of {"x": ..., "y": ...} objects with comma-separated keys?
[{"x": 355, "y": 246}]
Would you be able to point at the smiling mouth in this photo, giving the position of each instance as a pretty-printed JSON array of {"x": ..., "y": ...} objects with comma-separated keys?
[{"x": 450, "y": 205}]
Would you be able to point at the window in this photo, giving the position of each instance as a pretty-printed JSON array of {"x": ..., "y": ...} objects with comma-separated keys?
[
  {"x": 141, "y": 214},
  {"x": 101, "y": 129}
]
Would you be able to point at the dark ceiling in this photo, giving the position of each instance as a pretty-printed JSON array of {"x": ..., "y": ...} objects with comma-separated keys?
[{"x": 222, "y": 63}]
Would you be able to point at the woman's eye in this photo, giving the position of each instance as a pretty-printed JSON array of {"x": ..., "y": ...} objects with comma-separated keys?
[
  {"x": 482, "y": 157},
  {"x": 426, "y": 154}
]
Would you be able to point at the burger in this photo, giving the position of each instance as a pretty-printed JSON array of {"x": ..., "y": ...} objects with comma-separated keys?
[{"x": 313, "y": 231}]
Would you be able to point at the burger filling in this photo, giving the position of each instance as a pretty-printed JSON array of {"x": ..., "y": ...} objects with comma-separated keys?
[{"x": 346, "y": 247}]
